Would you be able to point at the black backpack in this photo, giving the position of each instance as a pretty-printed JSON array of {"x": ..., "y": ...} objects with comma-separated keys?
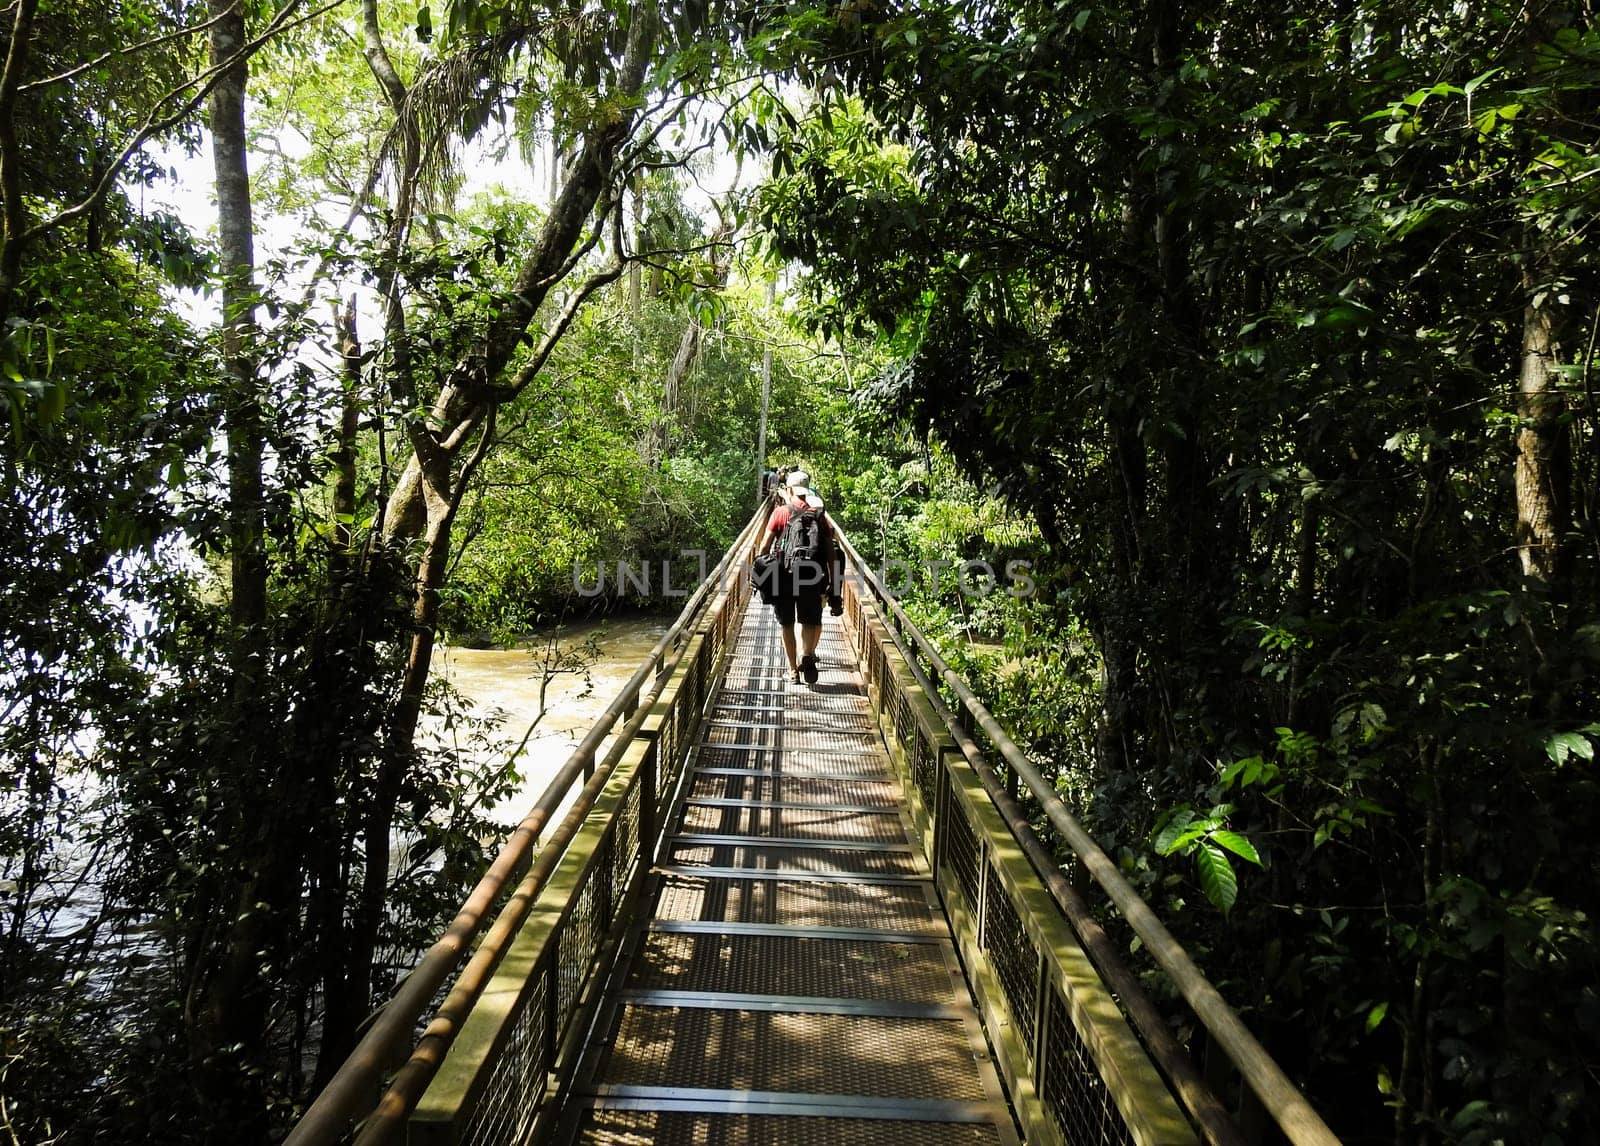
[{"x": 804, "y": 538}]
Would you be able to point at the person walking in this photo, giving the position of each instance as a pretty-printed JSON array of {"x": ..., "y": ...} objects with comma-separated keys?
[{"x": 801, "y": 538}]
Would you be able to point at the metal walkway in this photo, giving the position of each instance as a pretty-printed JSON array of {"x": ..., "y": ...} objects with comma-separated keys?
[{"x": 793, "y": 979}]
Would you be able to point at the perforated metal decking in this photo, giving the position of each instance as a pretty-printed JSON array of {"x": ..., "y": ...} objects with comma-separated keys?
[{"x": 792, "y": 980}]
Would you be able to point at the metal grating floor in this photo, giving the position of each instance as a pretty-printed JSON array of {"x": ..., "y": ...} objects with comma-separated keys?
[
  {"x": 793, "y": 980},
  {"x": 794, "y": 790},
  {"x": 830, "y": 822},
  {"x": 660, "y": 1128},
  {"x": 784, "y": 965},
  {"x": 791, "y": 1051},
  {"x": 887, "y": 907}
]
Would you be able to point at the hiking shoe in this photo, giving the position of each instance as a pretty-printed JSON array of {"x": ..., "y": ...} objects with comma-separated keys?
[{"x": 808, "y": 665}]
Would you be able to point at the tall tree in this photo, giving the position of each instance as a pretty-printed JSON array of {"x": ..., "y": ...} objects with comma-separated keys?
[{"x": 230, "y": 1013}]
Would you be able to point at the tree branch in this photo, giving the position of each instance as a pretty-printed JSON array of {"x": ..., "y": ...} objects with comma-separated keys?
[
  {"x": 394, "y": 89},
  {"x": 208, "y": 80},
  {"x": 131, "y": 49},
  {"x": 531, "y": 368}
]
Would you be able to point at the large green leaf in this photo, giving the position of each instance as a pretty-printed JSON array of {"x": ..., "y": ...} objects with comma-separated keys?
[
  {"x": 1564, "y": 744},
  {"x": 1167, "y": 838},
  {"x": 1238, "y": 845},
  {"x": 1216, "y": 876}
]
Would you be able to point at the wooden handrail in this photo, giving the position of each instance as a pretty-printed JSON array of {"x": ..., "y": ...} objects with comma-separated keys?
[
  {"x": 1294, "y": 1116},
  {"x": 349, "y": 1093}
]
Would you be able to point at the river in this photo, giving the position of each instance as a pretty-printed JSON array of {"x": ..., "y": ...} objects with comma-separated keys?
[{"x": 509, "y": 680}]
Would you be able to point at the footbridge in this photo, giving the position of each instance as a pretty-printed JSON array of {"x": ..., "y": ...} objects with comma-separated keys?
[{"x": 751, "y": 912}]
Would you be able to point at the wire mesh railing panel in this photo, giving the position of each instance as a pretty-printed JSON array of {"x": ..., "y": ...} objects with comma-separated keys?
[
  {"x": 1016, "y": 963},
  {"x": 961, "y": 854},
  {"x": 925, "y": 766},
  {"x": 688, "y": 702},
  {"x": 580, "y": 936},
  {"x": 625, "y": 840},
  {"x": 1078, "y": 1099},
  {"x": 683, "y": 704},
  {"x": 904, "y": 723},
  {"x": 667, "y": 739},
  {"x": 505, "y": 1110}
]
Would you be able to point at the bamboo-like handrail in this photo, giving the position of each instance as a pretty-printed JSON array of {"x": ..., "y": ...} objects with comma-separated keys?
[
  {"x": 348, "y": 1096},
  {"x": 1281, "y": 1099}
]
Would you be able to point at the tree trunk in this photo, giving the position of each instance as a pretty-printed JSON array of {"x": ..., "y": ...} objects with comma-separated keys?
[
  {"x": 236, "y": 243},
  {"x": 229, "y": 1028},
  {"x": 1115, "y": 634},
  {"x": 14, "y": 216},
  {"x": 635, "y": 268},
  {"x": 344, "y": 456},
  {"x": 443, "y": 490},
  {"x": 1302, "y": 601},
  {"x": 688, "y": 354},
  {"x": 467, "y": 393},
  {"x": 1543, "y": 476}
]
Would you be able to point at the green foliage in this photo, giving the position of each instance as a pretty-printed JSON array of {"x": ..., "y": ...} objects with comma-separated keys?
[
  {"x": 1580, "y": 744},
  {"x": 1228, "y": 305},
  {"x": 71, "y": 130},
  {"x": 83, "y": 469},
  {"x": 226, "y": 784},
  {"x": 578, "y": 485},
  {"x": 1182, "y": 832}
]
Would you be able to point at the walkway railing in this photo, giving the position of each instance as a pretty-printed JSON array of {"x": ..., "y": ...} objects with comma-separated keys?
[
  {"x": 1024, "y": 928},
  {"x": 517, "y": 1001}
]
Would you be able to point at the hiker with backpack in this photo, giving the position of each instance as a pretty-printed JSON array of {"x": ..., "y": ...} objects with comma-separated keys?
[{"x": 800, "y": 561}]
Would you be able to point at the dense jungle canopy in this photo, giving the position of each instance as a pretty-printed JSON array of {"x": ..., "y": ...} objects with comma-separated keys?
[{"x": 1265, "y": 332}]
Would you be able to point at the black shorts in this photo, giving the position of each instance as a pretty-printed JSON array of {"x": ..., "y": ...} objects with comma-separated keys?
[{"x": 807, "y": 608}]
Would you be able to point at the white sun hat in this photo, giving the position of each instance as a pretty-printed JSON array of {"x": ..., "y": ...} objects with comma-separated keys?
[{"x": 797, "y": 477}]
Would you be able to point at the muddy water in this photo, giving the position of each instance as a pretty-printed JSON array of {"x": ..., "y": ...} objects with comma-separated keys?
[{"x": 509, "y": 680}]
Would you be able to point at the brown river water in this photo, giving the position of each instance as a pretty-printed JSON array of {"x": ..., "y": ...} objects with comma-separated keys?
[{"x": 509, "y": 680}]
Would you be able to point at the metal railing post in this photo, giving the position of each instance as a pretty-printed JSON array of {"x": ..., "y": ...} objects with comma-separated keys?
[{"x": 647, "y": 804}]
